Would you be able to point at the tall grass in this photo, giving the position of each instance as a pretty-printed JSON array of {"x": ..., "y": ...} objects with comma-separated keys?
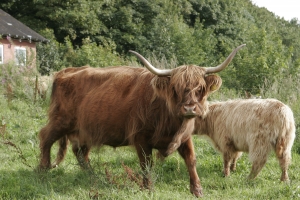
[{"x": 116, "y": 173}]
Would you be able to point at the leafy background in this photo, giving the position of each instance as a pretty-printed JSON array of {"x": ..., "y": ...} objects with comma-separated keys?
[{"x": 100, "y": 33}]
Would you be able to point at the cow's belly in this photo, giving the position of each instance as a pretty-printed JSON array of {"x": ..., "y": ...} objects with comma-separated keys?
[{"x": 116, "y": 143}]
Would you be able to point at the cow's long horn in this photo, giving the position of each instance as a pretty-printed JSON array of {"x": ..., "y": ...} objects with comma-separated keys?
[
  {"x": 225, "y": 63},
  {"x": 151, "y": 68}
]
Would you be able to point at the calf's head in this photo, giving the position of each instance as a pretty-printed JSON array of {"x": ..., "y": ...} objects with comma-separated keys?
[{"x": 187, "y": 87}]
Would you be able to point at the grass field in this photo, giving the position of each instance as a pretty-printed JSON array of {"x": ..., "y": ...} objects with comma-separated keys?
[{"x": 116, "y": 173}]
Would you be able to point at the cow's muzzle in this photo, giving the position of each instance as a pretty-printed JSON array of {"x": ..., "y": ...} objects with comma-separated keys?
[{"x": 189, "y": 111}]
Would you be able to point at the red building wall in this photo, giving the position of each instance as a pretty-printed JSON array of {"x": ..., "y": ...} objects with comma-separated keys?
[{"x": 9, "y": 46}]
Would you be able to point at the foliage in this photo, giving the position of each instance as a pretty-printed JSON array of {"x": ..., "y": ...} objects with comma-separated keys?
[
  {"x": 92, "y": 54},
  {"x": 100, "y": 33},
  {"x": 49, "y": 56}
]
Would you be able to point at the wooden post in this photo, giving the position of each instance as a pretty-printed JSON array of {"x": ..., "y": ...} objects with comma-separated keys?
[{"x": 36, "y": 88}]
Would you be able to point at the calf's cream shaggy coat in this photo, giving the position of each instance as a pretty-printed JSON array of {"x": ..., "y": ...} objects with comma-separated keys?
[{"x": 255, "y": 126}]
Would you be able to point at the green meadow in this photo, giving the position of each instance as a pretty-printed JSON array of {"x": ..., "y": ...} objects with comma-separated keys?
[{"x": 116, "y": 172}]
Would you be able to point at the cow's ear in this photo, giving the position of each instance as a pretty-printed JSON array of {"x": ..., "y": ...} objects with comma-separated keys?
[
  {"x": 160, "y": 85},
  {"x": 213, "y": 82}
]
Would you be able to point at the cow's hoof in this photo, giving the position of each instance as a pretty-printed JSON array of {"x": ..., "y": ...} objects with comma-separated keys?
[
  {"x": 54, "y": 166},
  {"x": 41, "y": 169},
  {"x": 197, "y": 192}
]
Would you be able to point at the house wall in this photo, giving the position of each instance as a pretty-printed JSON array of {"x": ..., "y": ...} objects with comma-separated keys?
[{"x": 9, "y": 46}]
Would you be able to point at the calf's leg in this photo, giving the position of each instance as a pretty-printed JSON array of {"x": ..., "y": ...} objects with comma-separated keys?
[
  {"x": 284, "y": 157},
  {"x": 230, "y": 157},
  {"x": 236, "y": 156},
  {"x": 227, "y": 164},
  {"x": 258, "y": 157}
]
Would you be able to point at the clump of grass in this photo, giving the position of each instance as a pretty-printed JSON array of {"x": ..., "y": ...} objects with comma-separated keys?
[
  {"x": 134, "y": 177},
  {"x": 124, "y": 179},
  {"x": 19, "y": 152},
  {"x": 11, "y": 144},
  {"x": 23, "y": 82},
  {"x": 2, "y": 127}
]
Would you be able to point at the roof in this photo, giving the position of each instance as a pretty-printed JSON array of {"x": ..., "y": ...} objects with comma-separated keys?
[{"x": 9, "y": 26}]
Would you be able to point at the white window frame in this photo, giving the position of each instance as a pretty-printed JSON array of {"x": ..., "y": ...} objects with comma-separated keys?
[
  {"x": 1, "y": 54},
  {"x": 17, "y": 60}
]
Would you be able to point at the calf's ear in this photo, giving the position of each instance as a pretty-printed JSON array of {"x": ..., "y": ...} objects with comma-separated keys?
[{"x": 213, "y": 82}]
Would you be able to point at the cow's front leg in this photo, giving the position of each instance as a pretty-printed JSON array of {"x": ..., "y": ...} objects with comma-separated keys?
[
  {"x": 186, "y": 150},
  {"x": 144, "y": 152},
  {"x": 182, "y": 135}
]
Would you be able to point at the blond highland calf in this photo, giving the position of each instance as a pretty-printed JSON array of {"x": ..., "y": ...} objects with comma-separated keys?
[{"x": 255, "y": 126}]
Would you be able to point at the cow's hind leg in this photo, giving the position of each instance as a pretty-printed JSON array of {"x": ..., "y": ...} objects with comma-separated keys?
[
  {"x": 48, "y": 136},
  {"x": 82, "y": 154},
  {"x": 186, "y": 150},
  {"x": 144, "y": 152},
  {"x": 63, "y": 144}
]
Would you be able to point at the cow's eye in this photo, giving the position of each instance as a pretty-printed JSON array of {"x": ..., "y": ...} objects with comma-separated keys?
[
  {"x": 186, "y": 91},
  {"x": 200, "y": 94},
  {"x": 175, "y": 93}
]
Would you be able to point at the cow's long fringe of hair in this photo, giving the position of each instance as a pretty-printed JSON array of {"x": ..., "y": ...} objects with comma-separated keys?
[
  {"x": 187, "y": 77},
  {"x": 168, "y": 88},
  {"x": 181, "y": 77}
]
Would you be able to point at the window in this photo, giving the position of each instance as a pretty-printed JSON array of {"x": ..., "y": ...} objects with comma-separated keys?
[
  {"x": 1, "y": 54},
  {"x": 20, "y": 56}
]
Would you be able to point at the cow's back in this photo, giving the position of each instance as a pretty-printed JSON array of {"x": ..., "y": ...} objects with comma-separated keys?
[
  {"x": 118, "y": 108},
  {"x": 71, "y": 85}
]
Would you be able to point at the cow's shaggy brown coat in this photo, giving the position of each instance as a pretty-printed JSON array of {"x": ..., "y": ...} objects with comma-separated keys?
[
  {"x": 121, "y": 109},
  {"x": 255, "y": 126},
  {"x": 121, "y": 106}
]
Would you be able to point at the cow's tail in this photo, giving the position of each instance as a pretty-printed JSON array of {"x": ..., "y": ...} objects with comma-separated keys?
[
  {"x": 54, "y": 86},
  {"x": 62, "y": 150}
]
